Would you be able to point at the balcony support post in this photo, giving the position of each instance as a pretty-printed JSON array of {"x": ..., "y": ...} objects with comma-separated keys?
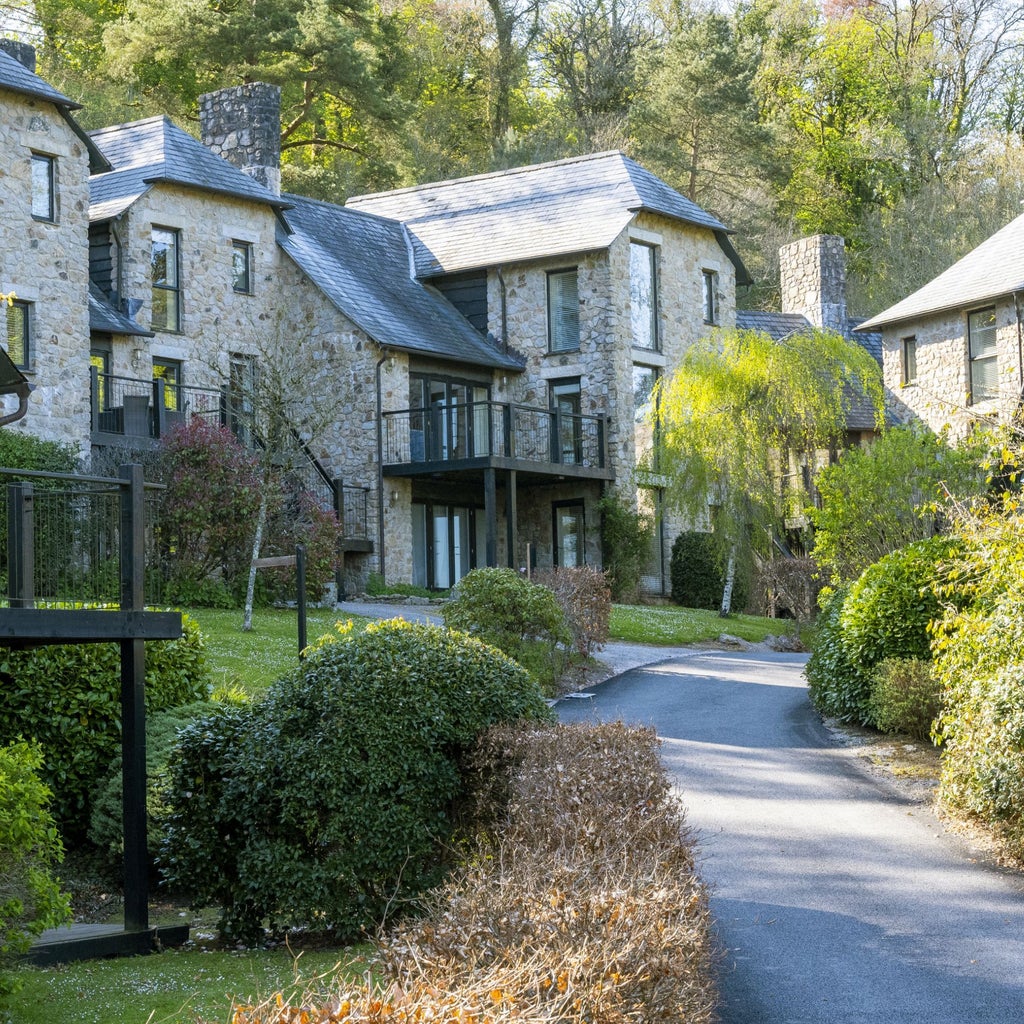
[
  {"x": 491, "y": 517},
  {"x": 511, "y": 518}
]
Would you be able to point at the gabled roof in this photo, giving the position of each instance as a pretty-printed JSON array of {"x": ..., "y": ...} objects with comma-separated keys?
[
  {"x": 105, "y": 318},
  {"x": 16, "y": 77},
  {"x": 361, "y": 263},
  {"x": 156, "y": 150},
  {"x": 555, "y": 209},
  {"x": 994, "y": 268}
]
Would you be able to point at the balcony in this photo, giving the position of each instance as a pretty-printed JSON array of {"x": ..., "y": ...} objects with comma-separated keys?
[
  {"x": 131, "y": 412},
  {"x": 495, "y": 435},
  {"x": 128, "y": 411}
]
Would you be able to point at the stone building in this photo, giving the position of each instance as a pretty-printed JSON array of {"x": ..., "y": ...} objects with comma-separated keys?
[
  {"x": 45, "y": 160},
  {"x": 952, "y": 349},
  {"x": 481, "y": 352}
]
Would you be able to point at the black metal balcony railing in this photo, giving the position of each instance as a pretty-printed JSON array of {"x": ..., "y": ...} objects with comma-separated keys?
[
  {"x": 144, "y": 408},
  {"x": 475, "y": 430}
]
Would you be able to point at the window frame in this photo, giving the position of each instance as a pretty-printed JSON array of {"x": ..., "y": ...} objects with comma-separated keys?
[
  {"x": 25, "y": 341},
  {"x": 989, "y": 356},
  {"x": 908, "y": 360},
  {"x": 557, "y": 509},
  {"x": 164, "y": 287},
  {"x": 172, "y": 378},
  {"x": 653, "y": 318},
  {"x": 241, "y": 247},
  {"x": 573, "y": 320},
  {"x": 709, "y": 297},
  {"x": 50, "y": 188}
]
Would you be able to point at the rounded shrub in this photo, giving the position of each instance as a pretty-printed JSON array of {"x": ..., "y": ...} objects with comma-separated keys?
[
  {"x": 697, "y": 572},
  {"x": 889, "y": 608},
  {"x": 905, "y": 697},
  {"x": 521, "y": 618},
  {"x": 67, "y": 698},
  {"x": 839, "y": 687},
  {"x": 327, "y": 803}
]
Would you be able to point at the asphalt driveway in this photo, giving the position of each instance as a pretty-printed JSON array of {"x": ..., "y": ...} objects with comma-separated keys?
[{"x": 836, "y": 899}]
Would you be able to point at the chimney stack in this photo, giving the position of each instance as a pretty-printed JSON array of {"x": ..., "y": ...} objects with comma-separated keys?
[
  {"x": 812, "y": 278},
  {"x": 242, "y": 124},
  {"x": 23, "y": 53}
]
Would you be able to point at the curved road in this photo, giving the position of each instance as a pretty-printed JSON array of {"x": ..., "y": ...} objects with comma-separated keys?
[{"x": 836, "y": 901}]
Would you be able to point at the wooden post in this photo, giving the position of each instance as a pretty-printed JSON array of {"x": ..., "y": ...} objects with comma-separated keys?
[
  {"x": 133, "y": 705},
  {"x": 20, "y": 547},
  {"x": 300, "y": 583},
  {"x": 491, "y": 517}
]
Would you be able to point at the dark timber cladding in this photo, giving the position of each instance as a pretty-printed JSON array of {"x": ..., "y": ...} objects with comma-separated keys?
[{"x": 468, "y": 294}]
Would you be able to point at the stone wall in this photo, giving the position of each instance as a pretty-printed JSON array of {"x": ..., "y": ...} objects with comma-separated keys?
[
  {"x": 940, "y": 395},
  {"x": 812, "y": 279},
  {"x": 46, "y": 264}
]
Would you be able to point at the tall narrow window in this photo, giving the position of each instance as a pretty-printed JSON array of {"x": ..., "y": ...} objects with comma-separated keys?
[
  {"x": 568, "y": 433},
  {"x": 643, "y": 295},
  {"x": 981, "y": 341},
  {"x": 19, "y": 324},
  {"x": 709, "y": 285},
  {"x": 165, "y": 266},
  {"x": 569, "y": 529},
  {"x": 241, "y": 404},
  {"x": 44, "y": 178},
  {"x": 563, "y": 311},
  {"x": 241, "y": 267},
  {"x": 99, "y": 359},
  {"x": 909, "y": 360}
]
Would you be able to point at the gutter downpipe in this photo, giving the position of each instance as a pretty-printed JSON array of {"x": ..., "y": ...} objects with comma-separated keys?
[{"x": 380, "y": 466}]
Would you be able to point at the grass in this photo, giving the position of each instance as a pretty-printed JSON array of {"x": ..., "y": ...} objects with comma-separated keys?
[
  {"x": 670, "y": 625},
  {"x": 255, "y": 659},
  {"x": 173, "y": 987}
]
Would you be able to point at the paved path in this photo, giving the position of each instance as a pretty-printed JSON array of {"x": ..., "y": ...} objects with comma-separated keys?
[{"x": 836, "y": 900}]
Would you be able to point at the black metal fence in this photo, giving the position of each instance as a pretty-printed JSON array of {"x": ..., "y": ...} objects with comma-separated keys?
[{"x": 449, "y": 433}]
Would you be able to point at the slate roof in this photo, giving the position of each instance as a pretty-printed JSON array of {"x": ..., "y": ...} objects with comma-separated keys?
[
  {"x": 994, "y": 268},
  {"x": 860, "y": 414},
  {"x": 16, "y": 77},
  {"x": 565, "y": 207},
  {"x": 361, "y": 263},
  {"x": 156, "y": 150},
  {"x": 105, "y": 318}
]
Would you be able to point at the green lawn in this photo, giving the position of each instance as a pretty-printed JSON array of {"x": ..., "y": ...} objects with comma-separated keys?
[
  {"x": 255, "y": 659},
  {"x": 173, "y": 987},
  {"x": 670, "y": 625}
]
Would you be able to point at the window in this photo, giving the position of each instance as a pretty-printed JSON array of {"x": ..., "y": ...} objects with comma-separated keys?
[
  {"x": 563, "y": 311},
  {"x": 569, "y": 534},
  {"x": 19, "y": 326},
  {"x": 709, "y": 284},
  {"x": 99, "y": 360},
  {"x": 241, "y": 267},
  {"x": 241, "y": 398},
  {"x": 644, "y": 380},
  {"x": 164, "y": 262},
  {"x": 981, "y": 341},
  {"x": 169, "y": 371},
  {"x": 446, "y": 543},
  {"x": 566, "y": 400},
  {"x": 909, "y": 360},
  {"x": 643, "y": 295},
  {"x": 44, "y": 206}
]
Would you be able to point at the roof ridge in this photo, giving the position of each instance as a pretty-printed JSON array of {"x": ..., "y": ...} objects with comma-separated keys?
[
  {"x": 92, "y": 133},
  {"x": 506, "y": 172}
]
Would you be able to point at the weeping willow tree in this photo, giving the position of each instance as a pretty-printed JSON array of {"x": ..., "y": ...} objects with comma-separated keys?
[{"x": 730, "y": 417}]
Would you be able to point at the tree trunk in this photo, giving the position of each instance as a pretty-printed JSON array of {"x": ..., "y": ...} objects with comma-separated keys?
[
  {"x": 730, "y": 579},
  {"x": 257, "y": 543}
]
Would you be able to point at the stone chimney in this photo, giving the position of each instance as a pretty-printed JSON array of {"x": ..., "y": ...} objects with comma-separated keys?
[
  {"x": 243, "y": 125},
  {"x": 812, "y": 276},
  {"x": 23, "y": 53}
]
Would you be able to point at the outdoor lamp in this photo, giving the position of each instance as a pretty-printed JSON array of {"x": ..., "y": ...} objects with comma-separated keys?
[{"x": 13, "y": 382}]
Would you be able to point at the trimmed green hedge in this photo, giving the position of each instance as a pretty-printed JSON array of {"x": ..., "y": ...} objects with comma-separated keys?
[{"x": 67, "y": 698}]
